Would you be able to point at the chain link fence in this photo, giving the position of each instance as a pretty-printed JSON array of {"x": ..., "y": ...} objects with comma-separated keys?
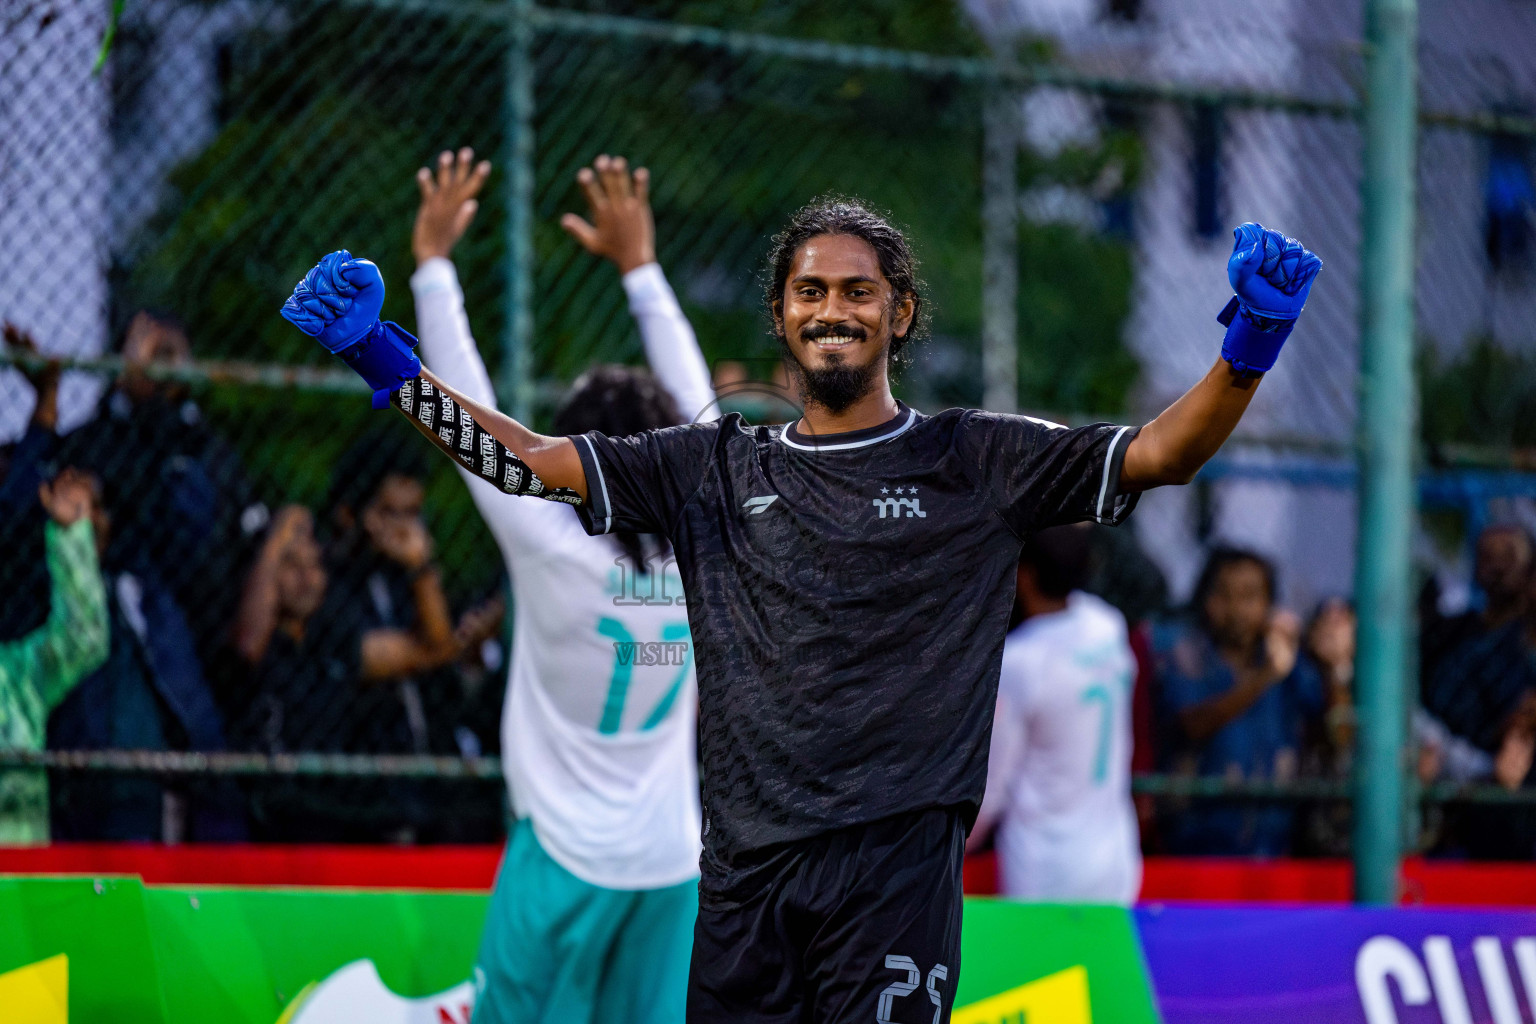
[{"x": 1071, "y": 185}]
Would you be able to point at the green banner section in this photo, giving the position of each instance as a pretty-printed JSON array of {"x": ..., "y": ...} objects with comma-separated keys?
[
  {"x": 242, "y": 955},
  {"x": 1045, "y": 964},
  {"x": 102, "y": 926},
  {"x": 113, "y": 951}
]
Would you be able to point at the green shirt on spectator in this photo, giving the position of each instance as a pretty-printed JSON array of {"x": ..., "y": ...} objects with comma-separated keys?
[{"x": 38, "y": 670}]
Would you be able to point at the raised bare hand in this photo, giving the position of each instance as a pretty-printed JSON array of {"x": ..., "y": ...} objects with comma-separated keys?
[
  {"x": 44, "y": 379},
  {"x": 448, "y": 202},
  {"x": 1282, "y": 643},
  {"x": 46, "y": 376},
  {"x": 68, "y": 498},
  {"x": 479, "y": 624},
  {"x": 292, "y": 523},
  {"x": 619, "y": 203},
  {"x": 403, "y": 540},
  {"x": 1513, "y": 761}
]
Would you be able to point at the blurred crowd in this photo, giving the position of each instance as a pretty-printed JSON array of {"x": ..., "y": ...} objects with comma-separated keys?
[
  {"x": 155, "y": 601},
  {"x": 1235, "y": 687}
]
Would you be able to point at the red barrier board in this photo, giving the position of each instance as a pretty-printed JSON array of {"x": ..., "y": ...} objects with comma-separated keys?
[
  {"x": 1220, "y": 880},
  {"x": 473, "y": 868},
  {"x": 356, "y": 867}
]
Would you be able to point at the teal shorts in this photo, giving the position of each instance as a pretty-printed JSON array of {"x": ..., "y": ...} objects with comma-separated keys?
[{"x": 558, "y": 950}]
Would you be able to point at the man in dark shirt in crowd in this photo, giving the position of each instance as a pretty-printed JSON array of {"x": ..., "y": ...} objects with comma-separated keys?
[
  {"x": 1474, "y": 665},
  {"x": 150, "y": 694},
  {"x": 184, "y": 504},
  {"x": 1478, "y": 723},
  {"x": 1505, "y": 556}
]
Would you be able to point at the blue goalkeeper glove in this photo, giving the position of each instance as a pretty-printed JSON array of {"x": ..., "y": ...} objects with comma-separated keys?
[
  {"x": 1271, "y": 275},
  {"x": 338, "y": 305}
]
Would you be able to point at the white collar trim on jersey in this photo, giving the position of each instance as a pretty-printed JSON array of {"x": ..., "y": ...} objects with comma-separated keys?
[{"x": 905, "y": 425}]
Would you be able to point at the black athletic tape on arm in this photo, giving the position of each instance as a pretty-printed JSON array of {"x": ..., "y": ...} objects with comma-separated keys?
[{"x": 456, "y": 433}]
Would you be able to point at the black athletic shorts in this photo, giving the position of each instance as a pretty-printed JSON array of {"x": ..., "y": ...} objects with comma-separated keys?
[{"x": 858, "y": 925}]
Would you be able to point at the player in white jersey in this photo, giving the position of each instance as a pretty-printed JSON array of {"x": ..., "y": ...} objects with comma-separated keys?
[
  {"x": 593, "y": 913},
  {"x": 1059, "y": 779}
]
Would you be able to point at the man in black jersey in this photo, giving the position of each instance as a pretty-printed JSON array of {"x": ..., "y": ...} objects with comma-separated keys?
[{"x": 849, "y": 581}]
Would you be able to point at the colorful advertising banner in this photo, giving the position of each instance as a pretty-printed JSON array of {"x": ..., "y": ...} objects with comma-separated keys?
[
  {"x": 135, "y": 954},
  {"x": 86, "y": 950},
  {"x": 1340, "y": 965},
  {"x": 80, "y": 951}
]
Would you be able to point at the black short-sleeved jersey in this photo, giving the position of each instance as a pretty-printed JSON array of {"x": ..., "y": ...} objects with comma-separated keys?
[{"x": 848, "y": 596}]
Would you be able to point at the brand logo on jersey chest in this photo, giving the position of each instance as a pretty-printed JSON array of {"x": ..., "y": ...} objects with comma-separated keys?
[{"x": 897, "y": 507}]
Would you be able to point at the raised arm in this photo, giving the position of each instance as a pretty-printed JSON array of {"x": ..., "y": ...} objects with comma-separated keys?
[
  {"x": 623, "y": 230},
  {"x": 1172, "y": 448},
  {"x": 1200, "y": 721},
  {"x": 74, "y": 640},
  {"x": 448, "y": 204},
  {"x": 1271, "y": 275},
  {"x": 392, "y": 653},
  {"x": 256, "y": 617},
  {"x": 338, "y": 304},
  {"x": 491, "y": 444}
]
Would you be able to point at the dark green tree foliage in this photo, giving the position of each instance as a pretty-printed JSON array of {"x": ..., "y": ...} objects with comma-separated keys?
[
  {"x": 1074, "y": 296},
  {"x": 1075, "y": 284},
  {"x": 1484, "y": 396}
]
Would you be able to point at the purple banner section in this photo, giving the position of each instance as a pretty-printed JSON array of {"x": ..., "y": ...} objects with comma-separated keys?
[{"x": 1339, "y": 965}]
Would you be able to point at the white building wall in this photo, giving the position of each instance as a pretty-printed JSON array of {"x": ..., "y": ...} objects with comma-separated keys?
[{"x": 54, "y": 149}]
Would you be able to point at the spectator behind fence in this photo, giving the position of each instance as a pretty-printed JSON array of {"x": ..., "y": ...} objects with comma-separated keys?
[
  {"x": 150, "y": 694},
  {"x": 1059, "y": 776},
  {"x": 382, "y": 567},
  {"x": 186, "y": 504},
  {"x": 384, "y": 579},
  {"x": 1504, "y": 558},
  {"x": 325, "y": 678},
  {"x": 1234, "y": 696},
  {"x": 1478, "y": 664},
  {"x": 1485, "y": 730},
  {"x": 1328, "y": 746},
  {"x": 39, "y": 669}
]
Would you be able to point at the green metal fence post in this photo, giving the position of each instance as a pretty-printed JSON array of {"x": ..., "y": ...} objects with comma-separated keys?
[
  {"x": 1386, "y": 428},
  {"x": 515, "y": 382},
  {"x": 1000, "y": 250}
]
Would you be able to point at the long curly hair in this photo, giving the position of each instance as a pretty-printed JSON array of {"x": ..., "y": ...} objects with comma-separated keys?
[
  {"x": 619, "y": 401},
  {"x": 842, "y": 215}
]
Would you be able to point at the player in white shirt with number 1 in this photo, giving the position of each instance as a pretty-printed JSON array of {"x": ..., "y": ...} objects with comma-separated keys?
[
  {"x": 592, "y": 917},
  {"x": 1059, "y": 778}
]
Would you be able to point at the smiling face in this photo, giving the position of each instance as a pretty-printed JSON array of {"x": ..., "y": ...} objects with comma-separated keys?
[{"x": 837, "y": 317}]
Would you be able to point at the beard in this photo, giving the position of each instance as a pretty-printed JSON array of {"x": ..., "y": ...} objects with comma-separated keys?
[{"x": 836, "y": 386}]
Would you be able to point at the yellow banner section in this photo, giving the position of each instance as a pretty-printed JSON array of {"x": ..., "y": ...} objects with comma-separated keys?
[
  {"x": 37, "y": 993},
  {"x": 1060, "y": 998}
]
